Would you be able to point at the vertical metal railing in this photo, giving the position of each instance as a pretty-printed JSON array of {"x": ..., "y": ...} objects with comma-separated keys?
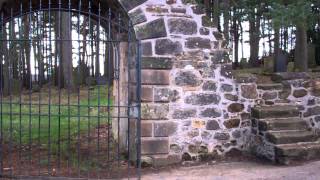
[{"x": 58, "y": 114}]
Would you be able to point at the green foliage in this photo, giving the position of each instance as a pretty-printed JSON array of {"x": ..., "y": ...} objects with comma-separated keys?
[{"x": 291, "y": 12}]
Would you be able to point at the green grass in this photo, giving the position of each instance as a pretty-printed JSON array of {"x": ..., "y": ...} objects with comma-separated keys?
[{"x": 23, "y": 127}]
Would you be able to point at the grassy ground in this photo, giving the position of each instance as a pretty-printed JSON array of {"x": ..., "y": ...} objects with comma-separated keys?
[{"x": 34, "y": 121}]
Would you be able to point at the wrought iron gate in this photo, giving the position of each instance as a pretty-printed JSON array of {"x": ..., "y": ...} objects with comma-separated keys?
[{"x": 70, "y": 90}]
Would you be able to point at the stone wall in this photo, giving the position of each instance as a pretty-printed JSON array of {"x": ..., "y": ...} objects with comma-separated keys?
[
  {"x": 192, "y": 106},
  {"x": 184, "y": 69}
]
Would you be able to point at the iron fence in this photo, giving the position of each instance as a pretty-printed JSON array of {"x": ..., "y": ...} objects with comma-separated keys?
[{"x": 70, "y": 90}]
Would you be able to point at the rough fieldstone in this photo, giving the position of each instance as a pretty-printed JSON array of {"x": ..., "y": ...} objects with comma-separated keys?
[
  {"x": 219, "y": 57},
  {"x": 198, "y": 10},
  {"x": 249, "y": 91},
  {"x": 221, "y": 136},
  {"x": 165, "y": 95},
  {"x": 226, "y": 71},
  {"x": 186, "y": 157},
  {"x": 245, "y": 116},
  {"x": 245, "y": 78},
  {"x": 178, "y": 10},
  {"x": 187, "y": 78},
  {"x": 175, "y": 148},
  {"x": 269, "y": 103},
  {"x": 217, "y": 35},
  {"x": 150, "y": 112},
  {"x": 231, "y": 97},
  {"x": 198, "y": 42},
  {"x": 211, "y": 112},
  {"x": 198, "y": 124},
  {"x": 146, "y": 161},
  {"x": 164, "y": 129},
  {"x": 209, "y": 86},
  {"x": 311, "y": 102},
  {"x": 171, "y": 1},
  {"x": 146, "y": 48},
  {"x": 193, "y": 133},
  {"x": 154, "y": 146},
  {"x": 235, "y": 107},
  {"x": 314, "y": 111},
  {"x": 156, "y": 63},
  {"x": 284, "y": 94},
  {"x": 269, "y": 95},
  {"x": 202, "y": 99},
  {"x": 168, "y": 47},
  {"x": 232, "y": 123},
  {"x": 208, "y": 72},
  {"x": 130, "y": 4},
  {"x": 137, "y": 16},
  {"x": 269, "y": 87},
  {"x": 204, "y": 31},
  {"x": 203, "y": 150},
  {"x": 212, "y": 125},
  {"x": 192, "y": 149},
  {"x": 236, "y": 134},
  {"x": 316, "y": 88},
  {"x": 226, "y": 88},
  {"x": 151, "y": 30},
  {"x": 184, "y": 113},
  {"x": 157, "y": 9},
  {"x": 205, "y": 135},
  {"x": 299, "y": 93},
  {"x": 182, "y": 26},
  {"x": 286, "y": 91}
]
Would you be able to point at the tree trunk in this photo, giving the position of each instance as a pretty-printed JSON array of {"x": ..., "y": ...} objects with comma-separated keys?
[
  {"x": 226, "y": 19},
  {"x": 254, "y": 35},
  {"x": 276, "y": 48},
  {"x": 14, "y": 58},
  {"x": 236, "y": 36},
  {"x": 5, "y": 67},
  {"x": 301, "y": 51},
  {"x": 286, "y": 39},
  {"x": 27, "y": 50},
  {"x": 66, "y": 51},
  {"x": 97, "y": 60},
  {"x": 216, "y": 14}
]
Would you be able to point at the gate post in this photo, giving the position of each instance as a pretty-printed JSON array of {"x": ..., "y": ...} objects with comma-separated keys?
[{"x": 120, "y": 125}]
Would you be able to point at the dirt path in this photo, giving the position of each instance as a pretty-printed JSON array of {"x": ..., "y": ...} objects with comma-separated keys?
[{"x": 241, "y": 171}]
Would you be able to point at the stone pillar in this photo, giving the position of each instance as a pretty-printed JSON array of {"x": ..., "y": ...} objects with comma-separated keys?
[
  {"x": 188, "y": 107},
  {"x": 121, "y": 99}
]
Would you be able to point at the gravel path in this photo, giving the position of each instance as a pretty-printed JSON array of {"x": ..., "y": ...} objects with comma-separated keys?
[{"x": 239, "y": 170}]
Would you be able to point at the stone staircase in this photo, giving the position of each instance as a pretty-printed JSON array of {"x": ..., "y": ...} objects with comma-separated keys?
[{"x": 289, "y": 136}]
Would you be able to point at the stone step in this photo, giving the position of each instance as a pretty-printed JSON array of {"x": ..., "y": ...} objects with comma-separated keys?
[
  {"x": 279, "y": 77},
  {"x": 289, "y": 153},
  {"x": 269, "y": 87},
  {"x": 282, "y": 124},
  {"x": 276, "y": 111},
  {"x": 289, "y": 137}
]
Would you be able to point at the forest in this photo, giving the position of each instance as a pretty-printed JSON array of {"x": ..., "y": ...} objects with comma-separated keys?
[
  {"x": 285, "y": 30},
  {"x": 56, "y": 48}
]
